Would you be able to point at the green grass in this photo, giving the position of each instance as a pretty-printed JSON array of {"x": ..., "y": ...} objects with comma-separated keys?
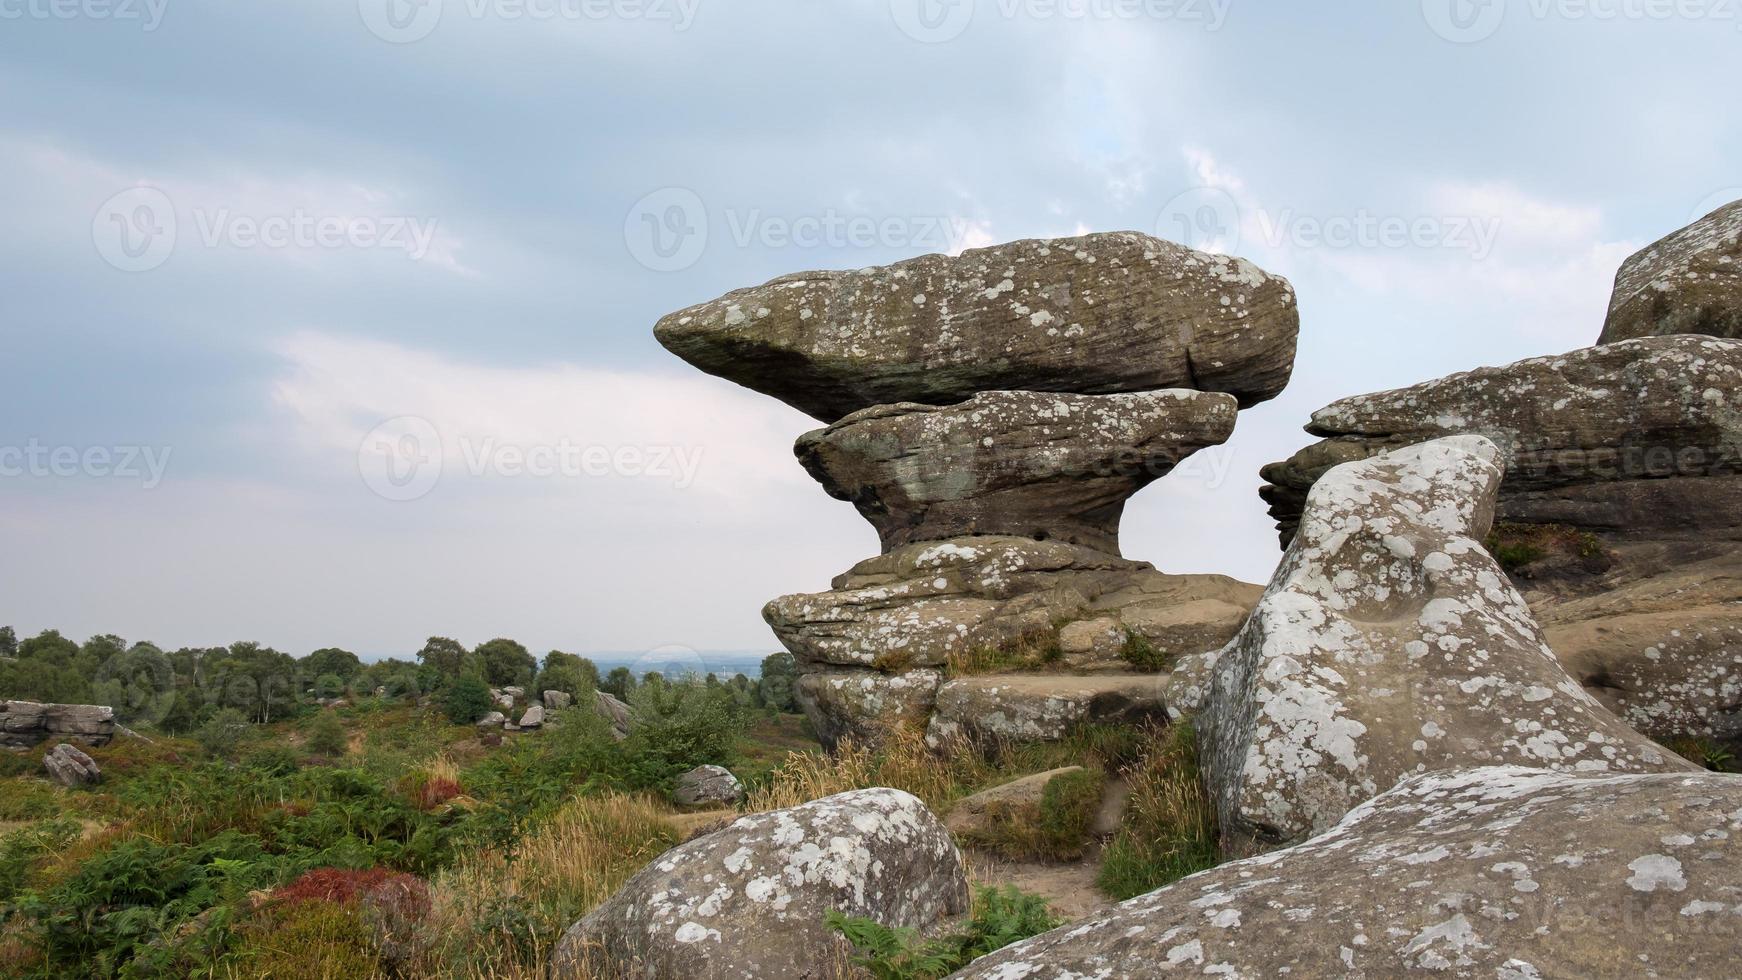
[
  {"x": 1054, "y": 828},
  {"x": 1169, "y": 829}
]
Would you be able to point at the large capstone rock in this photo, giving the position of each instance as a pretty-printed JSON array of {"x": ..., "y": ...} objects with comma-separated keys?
[
  {"x": 1098, "y": 314},
  {"x": 24, "y": 724},
  {"x": 707, "y": 786},
  {"x": 922, "y": 603},
  {"x": 1390, "y": 643},
  {"x": 1023, "y": 463},
  {"x": 1004, "y": 709},
  {"x": 70, "y": 767},
  {"x": 750, "y": 900},
  {"x": 1689, "y": 282},
  {"x": 865, "y": 705},
  {"x": 1502, "y": 872}
]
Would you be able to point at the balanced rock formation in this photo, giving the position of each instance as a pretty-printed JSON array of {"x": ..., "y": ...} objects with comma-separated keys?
[
  {"x": 1689, "y": 282},
  {"x": 1095, "y": 315},
  {"x": 1388, "y": 644},
  {"x": 1500, "y": 872},
  {"x": 70, "y": 767},
  {"x": 750, "y": 900},
  {"x": 1023, "y": 463},
  {"x": 24, "y": 724},
  {"x": 1621, "y": 510}
]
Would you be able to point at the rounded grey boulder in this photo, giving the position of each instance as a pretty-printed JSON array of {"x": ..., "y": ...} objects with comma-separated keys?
[{"x": 707, "y": 786}]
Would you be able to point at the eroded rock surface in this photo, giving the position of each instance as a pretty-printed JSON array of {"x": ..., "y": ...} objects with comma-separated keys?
[
  {"x": 1504, "y": 872},
  {"x": 613, "y": 711},
  {"x": 708, "y": 786},
  {"x": 1042, "y": 707},
  {"x": 1689, "y": 282},
  {"x": 864, "y": 704},
  {"x": 70, "y": 767},
  {"x": 1023, "y": 463},
  {"x": 24, "y": 724},
  {"x": 749, "y": 900},
  {"x": 1390, "y": 643},
  {"x": 1097, "y": 314}
]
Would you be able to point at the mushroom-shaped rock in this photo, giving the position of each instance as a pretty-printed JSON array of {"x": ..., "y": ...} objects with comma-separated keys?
[
  {"x": 1098, "y": 314},
  {"x": 1494, "y": 872},
  {"x": 1390, "y": 643},
  {"x": 1689, "y": 282},
  {"x": 707, "y": 786},
  {"x": 750, "y": 900},
  {"x": 1022, "y": 463},
  {"x": 69, "y": 766}
]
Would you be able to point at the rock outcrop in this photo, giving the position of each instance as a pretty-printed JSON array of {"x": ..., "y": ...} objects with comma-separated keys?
[
  {"x": 533, "y": 717},
  {"x": 993, "y": 709},
  {"x": 70, "y": 767},
  {"x": 1019, "y": 799},
  {"x": 750, "y": 900},
  {"x": 1689, "y": 282},
  {"x": 1496, "y": 872},
  {"x": 1388, "y": 644},
  {"x": 1093, "y": 315},
  {"x": 1620, "y": 514},
  {"x": 707, "y": 786},
  {"x": 24, "y": 724},
  {"x": 556, "y": 700},
  {"x": 615, "y": 713}
]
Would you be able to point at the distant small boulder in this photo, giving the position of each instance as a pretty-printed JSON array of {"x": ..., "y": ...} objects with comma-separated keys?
[
  {"x": 708, "y": 786},
  {"x": 71, "y": 767}
]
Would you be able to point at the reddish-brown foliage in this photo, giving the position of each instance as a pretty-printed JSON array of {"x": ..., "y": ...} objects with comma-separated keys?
[{"x": 339, "y": 885}]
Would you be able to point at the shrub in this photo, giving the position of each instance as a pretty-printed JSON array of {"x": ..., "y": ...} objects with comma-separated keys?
[
  {"x": 1142, "y": 654},
  {"x": 326, "y": 735},
  {"x": 1054, "y": 828},
  {"x": 902, "y": 761},
  {"x": 23, "y": 849},
  {"x": 680, "y": 725},
  {"x": 1001, "y": 917},
  {"x": 310, "y": 939},
  {"x": 221, "y": 733},
  {"x": 1169, "y": 829},
  {"x": 466, "y": 700},
  {"x": 1035, "y": 651}
]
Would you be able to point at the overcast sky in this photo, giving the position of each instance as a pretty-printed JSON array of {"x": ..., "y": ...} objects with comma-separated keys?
[{"x": 244, "y": 236}]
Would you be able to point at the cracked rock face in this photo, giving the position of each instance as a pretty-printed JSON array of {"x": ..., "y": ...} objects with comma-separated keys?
[
  {"x": 1503, "y": 872},
  {"x": 27, "y": 723},
  {"x": 1390, "y": 643},
  {"x": 70, "y": 767},
  {"x": 749, "y": 900},
  {"x": 1027, "y": 708},
  {"x": 861, "y": 704},
  {"x": 1098, "y": 314},
  {"x": 1023, "y": 463},
  {"x": 1689, "y": 282}
]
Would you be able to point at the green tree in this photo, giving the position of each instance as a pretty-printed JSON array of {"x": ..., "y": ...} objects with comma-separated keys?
[
  {"x": 618, "y": 683},
  {"x": 139, "y": 683},
  {"x": 8, "y": 642},
  {"x": 779, "y": 680},
  {"x": 506, "y": 662},
  {"x": 448, "y": 657},
  {"x": 332, "y": 660},
  {"x": 326, "y": 735},
  {"x": 466, "y": 700},
  {"x": 576, "y": 676},
  {"x": 255, "y": 680},
  {"x": 681, "y": 725},
  {"x": 222, "y": 732},
  {"x": 49, "y": 647}
]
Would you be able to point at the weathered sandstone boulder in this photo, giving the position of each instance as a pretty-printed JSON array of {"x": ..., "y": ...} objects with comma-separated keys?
[
  {"x": 533, "y": 717},
  {"x": 863, "y": 704},
  {"x": 1689, "y": 282},
  {"x": 1022, "y": 463},
  {"x": 1040, "y": 707},
  {"x": 1019, "y": 798},
  {"x": 1390, "y": 643},
  {"x": 750, "y": 900},
  {"x": 707, "y": 786},
  {"x": 1098, "y": 314},
  {"x": 24, "y": 724},
  {"x": 613, "y": 711},
  {"x": 70, "y": 767},
  {"x": 494, "y": 719},
  {"x": 1505, "y": 872},
  {"x": 556, "y": 700}
]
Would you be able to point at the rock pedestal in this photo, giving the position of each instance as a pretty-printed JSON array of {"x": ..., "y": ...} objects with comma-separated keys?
[{"x": 991, "y": 415}]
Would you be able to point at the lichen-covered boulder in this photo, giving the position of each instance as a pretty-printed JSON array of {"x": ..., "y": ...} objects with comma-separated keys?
[
  {"x": 707, "y": 786},
  {"x": 615, "y": 713},
  {"x": 1504, "y": 872},
  {"x": 1689, "y": 282},
  {"x": 865, "y": 704},
  {"x": 494, "y": 719},
  {"x": 557, "y": 700},
  {"x": 533, "y": 717},
  {"x": 1021, "y": 463},
  {"x": 1097, "y": 314},
  {"x": 24, "y": 724},
  {"x": 70, "y": 767},
  {"x": 996, "y": 709},
  {"x": 749, "y": 900},
  {"x": 1390, "y": 643}
]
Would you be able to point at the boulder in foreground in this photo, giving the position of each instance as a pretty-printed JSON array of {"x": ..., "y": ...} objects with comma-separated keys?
[{"x": 1499, "y": 872}]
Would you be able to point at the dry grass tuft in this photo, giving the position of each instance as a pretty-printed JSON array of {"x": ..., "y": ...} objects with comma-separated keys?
[{"x": 902, "y": 761}]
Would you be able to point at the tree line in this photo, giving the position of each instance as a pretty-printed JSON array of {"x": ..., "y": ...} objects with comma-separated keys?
[{"x": 181, "y": 690}]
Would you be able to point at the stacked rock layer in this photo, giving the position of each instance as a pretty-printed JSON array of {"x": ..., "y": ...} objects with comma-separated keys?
[
  {"x": 1620, "y": 515},
  {"x": 990, "y": 414}
]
